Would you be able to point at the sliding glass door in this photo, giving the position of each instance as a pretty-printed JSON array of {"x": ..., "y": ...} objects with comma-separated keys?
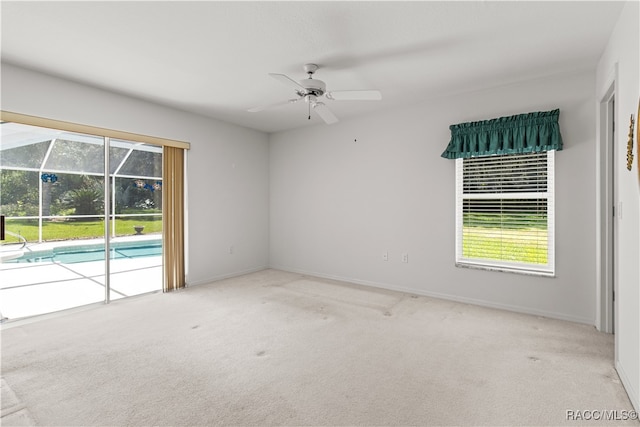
[
  {"x": 135, "y": 183},
  {"x": 81, "y": 227}
]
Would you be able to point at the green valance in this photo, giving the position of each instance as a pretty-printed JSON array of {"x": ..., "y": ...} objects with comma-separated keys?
[{"x": 522, "y": 133}]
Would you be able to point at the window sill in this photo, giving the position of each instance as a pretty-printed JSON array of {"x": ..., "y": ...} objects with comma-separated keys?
[{"x": 505, "y": 269}]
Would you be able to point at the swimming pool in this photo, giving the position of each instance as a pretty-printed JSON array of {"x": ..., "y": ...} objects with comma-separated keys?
[{"x": 95, "y": 252}]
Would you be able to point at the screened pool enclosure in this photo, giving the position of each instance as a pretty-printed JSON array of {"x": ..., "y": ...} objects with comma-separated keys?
[{"x": 52, "y": 184}]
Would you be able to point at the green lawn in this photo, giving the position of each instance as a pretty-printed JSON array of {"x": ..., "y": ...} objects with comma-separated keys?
[
  {"x": 68, "y": 230},
  {"x": 521, "y": 245}
]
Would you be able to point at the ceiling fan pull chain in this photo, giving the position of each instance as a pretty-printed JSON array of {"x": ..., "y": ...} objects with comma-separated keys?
[{"x": 309, "y": 104}]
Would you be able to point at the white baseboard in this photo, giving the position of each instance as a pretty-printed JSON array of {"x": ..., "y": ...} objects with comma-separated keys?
[
  {"x": 634, "y": 397},
  {"x": 449, "y": 297},
  {"x": 226, "y": 276}
]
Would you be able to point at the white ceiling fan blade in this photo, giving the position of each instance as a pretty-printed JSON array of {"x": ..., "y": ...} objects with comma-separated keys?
[
  {"x": 324, "y": 113},
  {"x": 288, "y": 81},
  {"x": 276, "y": 104},
  {"x": 355, "y": 95}
]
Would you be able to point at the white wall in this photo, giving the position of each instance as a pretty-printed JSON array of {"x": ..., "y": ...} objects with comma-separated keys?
[
  {"x": 227, "y": 173},
  {"x": 623, "y": 50},
  {"x": 337, "y": 204}
]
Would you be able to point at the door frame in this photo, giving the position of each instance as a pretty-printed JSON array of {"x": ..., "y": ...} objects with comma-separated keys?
[{"x": 606, "y": 312}]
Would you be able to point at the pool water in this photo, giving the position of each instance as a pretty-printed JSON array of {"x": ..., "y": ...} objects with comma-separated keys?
[{"x": 68, "y": 255}]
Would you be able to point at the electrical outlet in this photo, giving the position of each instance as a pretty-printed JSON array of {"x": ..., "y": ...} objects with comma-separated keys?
[
  {"x": 405, "y": 257},
  {"x": 385, "y": 256}
]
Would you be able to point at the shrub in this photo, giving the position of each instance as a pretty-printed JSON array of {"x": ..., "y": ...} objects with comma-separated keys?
[{"x": 86, "y": 201}]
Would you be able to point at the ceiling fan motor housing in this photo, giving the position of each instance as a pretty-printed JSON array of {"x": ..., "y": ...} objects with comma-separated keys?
[{"x": 313, "y": 86}]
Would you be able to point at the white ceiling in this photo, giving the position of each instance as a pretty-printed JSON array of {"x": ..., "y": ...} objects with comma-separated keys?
[{"x": 213, "y": 57}]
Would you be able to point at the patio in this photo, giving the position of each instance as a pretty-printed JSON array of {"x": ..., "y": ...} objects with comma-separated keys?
[{"x": 30, "y": 289}]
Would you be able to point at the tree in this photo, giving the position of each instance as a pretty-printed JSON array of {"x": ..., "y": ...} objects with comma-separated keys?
[{"x": 19, "y": 192}]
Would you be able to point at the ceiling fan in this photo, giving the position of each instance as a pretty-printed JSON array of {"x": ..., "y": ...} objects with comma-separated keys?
[{"x": 311, "y": 90}]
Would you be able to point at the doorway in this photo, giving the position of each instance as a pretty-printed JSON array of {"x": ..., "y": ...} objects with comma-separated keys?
[{"x": 607, "y": 213}]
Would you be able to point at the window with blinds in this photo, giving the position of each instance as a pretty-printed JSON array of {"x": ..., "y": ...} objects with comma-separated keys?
[{"x": 504, "y": 212}]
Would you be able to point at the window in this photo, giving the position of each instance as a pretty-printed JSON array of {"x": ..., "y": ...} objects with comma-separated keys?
[
  {"x": 505, "y": 191},
  {"x": 505, "y": 212}
]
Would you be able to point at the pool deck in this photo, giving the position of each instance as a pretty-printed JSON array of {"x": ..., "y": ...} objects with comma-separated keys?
[{"x": 31, "y": 289}]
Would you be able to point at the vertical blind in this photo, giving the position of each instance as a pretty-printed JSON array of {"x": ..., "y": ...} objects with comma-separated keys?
[
  {"x": 173, "y": 259},
  {"x": 505, "y": 211}
]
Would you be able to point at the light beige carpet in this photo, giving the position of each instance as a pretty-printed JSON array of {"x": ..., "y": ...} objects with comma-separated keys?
[{"x": 277, "y": 348}]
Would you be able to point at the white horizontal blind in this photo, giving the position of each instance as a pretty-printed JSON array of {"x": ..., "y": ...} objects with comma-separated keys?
[{"x": 504, "y": 212}]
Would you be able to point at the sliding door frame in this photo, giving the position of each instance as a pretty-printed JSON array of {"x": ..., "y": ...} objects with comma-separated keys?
[
  {"x": 107, "y": 135},
  {"x": 107, "y": 220}
]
